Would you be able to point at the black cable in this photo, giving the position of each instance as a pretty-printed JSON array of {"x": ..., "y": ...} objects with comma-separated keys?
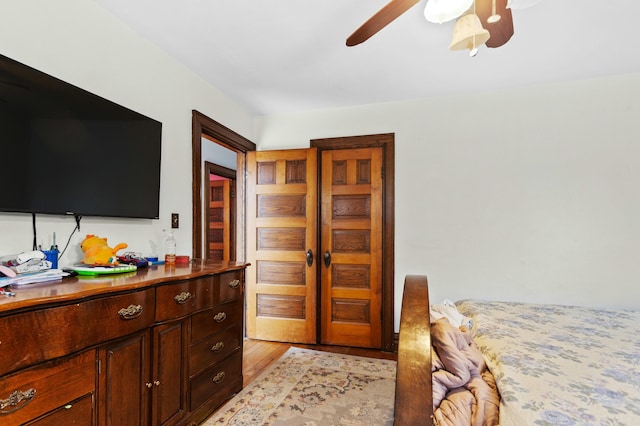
[
  {"x": 77, "y": 228},
  {"x": 35, "y": 245}
]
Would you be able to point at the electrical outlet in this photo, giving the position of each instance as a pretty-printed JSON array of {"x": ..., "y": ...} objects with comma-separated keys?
[{"x": 175, "y": 221}]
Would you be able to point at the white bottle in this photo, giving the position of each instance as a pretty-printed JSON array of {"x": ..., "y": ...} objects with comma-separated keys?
[{"x": 170, "y": 256}]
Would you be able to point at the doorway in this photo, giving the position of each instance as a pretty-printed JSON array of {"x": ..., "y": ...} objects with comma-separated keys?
[
  {"x": 208, "y": 131},
  {"x": 221, "y": 219}
]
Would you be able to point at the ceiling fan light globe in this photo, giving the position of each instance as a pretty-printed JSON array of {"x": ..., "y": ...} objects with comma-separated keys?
[
  {"x": 468, "y": 33},
  {"x": 521, "y": 4},
  {"x": 440, "y": 11}
]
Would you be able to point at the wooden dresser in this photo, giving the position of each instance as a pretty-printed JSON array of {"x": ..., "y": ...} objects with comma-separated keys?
[{"x": 161, "y": 346}]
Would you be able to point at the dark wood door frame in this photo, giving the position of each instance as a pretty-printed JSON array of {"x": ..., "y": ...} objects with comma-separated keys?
[
  {"x": 202, "y": 125},
  {"x": 386, "y": 141}
]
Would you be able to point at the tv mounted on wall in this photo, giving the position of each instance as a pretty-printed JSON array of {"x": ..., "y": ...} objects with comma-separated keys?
[{"x": 66, "y": 151}]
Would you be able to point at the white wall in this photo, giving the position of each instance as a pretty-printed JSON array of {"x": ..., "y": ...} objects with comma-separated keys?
[
  {"x": 527, "y": 194},
  {"x": 218, "y": 154},
  {"x": 81, "y": 43}
]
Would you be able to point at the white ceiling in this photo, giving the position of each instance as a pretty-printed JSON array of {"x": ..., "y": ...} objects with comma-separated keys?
[{"x": 276, "y": 56}]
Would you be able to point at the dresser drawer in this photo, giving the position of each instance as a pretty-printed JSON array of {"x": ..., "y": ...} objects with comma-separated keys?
[
  {"x": 31, "y": 393},
  {"x": 215, "y": 319},
  {"x": 76, "y": 413},
  {"x": 217, "y": 383},
  {"x": 230, "y": 286},
  {"x": 214, "y": 348},
  {"x": 180, "y": 299},
  {"x": 31, "y": 337}
]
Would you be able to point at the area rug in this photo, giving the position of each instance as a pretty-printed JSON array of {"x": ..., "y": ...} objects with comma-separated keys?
[{"x": 313, "y": 388}]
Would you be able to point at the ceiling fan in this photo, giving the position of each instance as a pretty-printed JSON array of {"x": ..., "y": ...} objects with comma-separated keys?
[{"x": 495, "y": 16}]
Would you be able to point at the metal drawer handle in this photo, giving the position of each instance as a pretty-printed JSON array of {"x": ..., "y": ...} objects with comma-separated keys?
[
  {"x": 130, "y": 312},
  {"x": 217, "y": 347},
  {"x": 219, "y": 377},
  {"x": 16, "y": 401},
  {"x": 220, "y": 316},
  {"x": 182, "y": 298},
  {"x": 234, "y": 284}
]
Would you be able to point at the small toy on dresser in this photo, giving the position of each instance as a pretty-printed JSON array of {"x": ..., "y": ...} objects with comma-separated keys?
[
  {"x": 98, "y": 253},
  {"x": 131, "y": 258}
]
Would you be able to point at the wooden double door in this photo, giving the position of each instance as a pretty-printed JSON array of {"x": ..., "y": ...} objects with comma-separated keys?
[{"x": 314, "y": 241}]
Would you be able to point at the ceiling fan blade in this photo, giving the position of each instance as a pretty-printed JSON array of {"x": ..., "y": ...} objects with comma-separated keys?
[
  {"x": 500, "y": 31},
  {"x": 381, "y": 19}
]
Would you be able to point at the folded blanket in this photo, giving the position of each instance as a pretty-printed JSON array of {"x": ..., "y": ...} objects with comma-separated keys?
[{"x": 464, "y": 391}]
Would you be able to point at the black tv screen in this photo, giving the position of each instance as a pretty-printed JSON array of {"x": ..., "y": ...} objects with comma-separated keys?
[{"x": 66, "y": 151}]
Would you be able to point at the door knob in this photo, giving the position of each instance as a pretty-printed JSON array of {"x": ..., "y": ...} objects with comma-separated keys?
[
  {"x": 327, "y": 258},
  {"x": 309, "y": 257}
]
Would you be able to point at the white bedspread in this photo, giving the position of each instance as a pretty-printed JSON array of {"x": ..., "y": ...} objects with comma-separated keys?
[{"x": 560, "y": 365}]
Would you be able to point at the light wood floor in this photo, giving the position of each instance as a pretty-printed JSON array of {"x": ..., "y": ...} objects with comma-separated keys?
[{"x": 258, "y": 355}]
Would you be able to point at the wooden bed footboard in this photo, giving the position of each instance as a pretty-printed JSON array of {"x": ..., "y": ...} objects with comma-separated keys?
[{"x": 414, "y": 397}]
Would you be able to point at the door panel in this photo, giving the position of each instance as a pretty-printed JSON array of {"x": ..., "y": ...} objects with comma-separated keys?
[
  {"x": 221, "y": 220},
  {"x": 281, "y": 229},
  {"x": 351, "y": 239},
  {"x": 123, "y": 374},
  {"x": 169, "y": 379}
]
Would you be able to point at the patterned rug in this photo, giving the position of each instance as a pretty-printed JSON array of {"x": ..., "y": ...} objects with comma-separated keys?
[{"x": 312, "y": 388}]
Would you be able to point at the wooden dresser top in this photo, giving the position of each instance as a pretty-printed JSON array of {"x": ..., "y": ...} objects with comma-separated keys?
[{"x": 82, "y": 287}]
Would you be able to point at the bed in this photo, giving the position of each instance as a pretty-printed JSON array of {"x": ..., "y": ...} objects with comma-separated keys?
[{"x": 553, "y": 365}]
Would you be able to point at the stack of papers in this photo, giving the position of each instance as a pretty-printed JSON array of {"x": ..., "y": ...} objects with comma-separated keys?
[{"x": 33, "y": 277}]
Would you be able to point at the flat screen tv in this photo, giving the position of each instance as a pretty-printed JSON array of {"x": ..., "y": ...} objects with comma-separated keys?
[{"x": 66, "y": 151}]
